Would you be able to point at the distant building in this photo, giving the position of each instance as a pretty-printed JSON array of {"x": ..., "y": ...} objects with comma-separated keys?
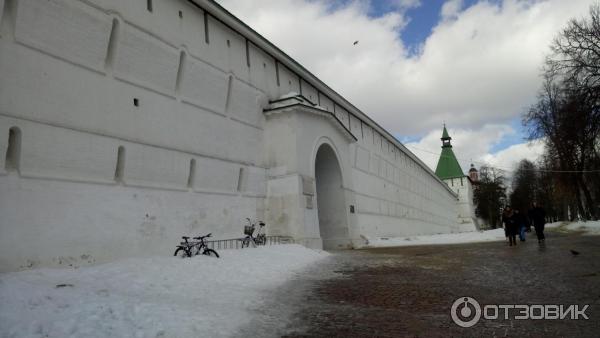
[
  {"x": 473, "y": 174},
  {"x": 448, "y": 169}
]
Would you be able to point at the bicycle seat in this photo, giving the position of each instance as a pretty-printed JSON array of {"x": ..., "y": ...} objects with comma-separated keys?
[
  {"x": 185, "y": 237},
  {"x": 261, "y": 223}
]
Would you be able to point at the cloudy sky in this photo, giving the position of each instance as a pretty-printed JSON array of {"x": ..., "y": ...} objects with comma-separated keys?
[{"x": 474, "y": 64}]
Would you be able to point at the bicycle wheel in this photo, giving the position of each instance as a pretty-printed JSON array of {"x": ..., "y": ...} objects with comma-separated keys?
[
  {"x": 210, "y": 252},
  {"x": 245, "y": 242},
  {"x": 181, "y": 252}
]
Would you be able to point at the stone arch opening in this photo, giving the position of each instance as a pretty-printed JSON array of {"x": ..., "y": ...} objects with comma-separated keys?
[{"x": 331, "y": 206}]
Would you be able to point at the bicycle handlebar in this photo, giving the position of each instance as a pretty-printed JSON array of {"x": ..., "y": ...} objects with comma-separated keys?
[{"x": 203, "y": 237}]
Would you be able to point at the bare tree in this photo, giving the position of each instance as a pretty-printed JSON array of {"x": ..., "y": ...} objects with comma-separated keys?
[
  {"x": 576, "y": 53},
  {"x": 525, "y": 187},
  {"x": 567, "y": 113},
  {"x": 489, "y": 195}
]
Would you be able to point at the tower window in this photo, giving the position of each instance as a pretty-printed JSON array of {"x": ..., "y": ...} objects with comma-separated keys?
[
  {"x": 180, "y": 14},
  {"x": 149, "y": 5},
  {"x": 13, "y": 152},
  {"x": 136, "y": 102}
]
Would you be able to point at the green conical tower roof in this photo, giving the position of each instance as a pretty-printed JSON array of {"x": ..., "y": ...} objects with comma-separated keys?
[
  {"x": 448, "y": 166},
  {"x": 445, "y": 135}
]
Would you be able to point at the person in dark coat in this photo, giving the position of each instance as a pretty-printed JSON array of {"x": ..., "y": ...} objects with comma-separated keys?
[
  {"x": 537, "y": 214},
  {"x": 521, "y": 223},
  {"x": 510, "y": 225},
  {"x": 503, "y": 223}
]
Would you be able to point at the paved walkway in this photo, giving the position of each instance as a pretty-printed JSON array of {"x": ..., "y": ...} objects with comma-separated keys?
[{"x": 409, "y": 291}]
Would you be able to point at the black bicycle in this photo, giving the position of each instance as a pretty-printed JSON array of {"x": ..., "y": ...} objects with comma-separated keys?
[
  {"x": 193, "y": 248},
  {"x": 259, "y": 239}
]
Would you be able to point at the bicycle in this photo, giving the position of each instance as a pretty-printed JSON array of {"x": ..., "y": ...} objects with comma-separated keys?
[
  {"x": 261, "y": 237},
  {"x": 189, "y": 249}
]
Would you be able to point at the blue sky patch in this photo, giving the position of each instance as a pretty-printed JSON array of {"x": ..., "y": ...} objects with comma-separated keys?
[
  {"x": 519, "y": 136},
  {"x": 404, "y": 139},
  {"x": 421, "y": 19}
]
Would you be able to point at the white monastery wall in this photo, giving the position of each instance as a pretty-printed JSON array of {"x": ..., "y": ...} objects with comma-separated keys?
[
  {"x": 182, "y": 95},
  {"x": 462, "y": 186}
]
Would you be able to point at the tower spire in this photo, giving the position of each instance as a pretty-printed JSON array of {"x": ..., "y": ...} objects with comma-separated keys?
[
  {"x": 448, "y": 166},
  {"x": 446, "y": 138}
]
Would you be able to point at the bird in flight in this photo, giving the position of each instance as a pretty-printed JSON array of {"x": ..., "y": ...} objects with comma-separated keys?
[{"x": 355, "y": 42}]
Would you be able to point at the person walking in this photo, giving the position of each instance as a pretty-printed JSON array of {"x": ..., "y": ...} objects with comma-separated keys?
[
  {"x": 503, "y": 221},
  {"x": 521, "y": 224},
  {"x": 537, "y": 214},
  {"x": 510, "y": 226}
]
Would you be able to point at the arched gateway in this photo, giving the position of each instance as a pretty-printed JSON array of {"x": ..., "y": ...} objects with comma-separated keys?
[
  {"x": 309, "y": 196},
  {"x": 333, "y": 223}
]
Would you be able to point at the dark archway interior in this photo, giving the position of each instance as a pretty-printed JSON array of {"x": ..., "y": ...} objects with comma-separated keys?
[{"x": 330, "y": 199}]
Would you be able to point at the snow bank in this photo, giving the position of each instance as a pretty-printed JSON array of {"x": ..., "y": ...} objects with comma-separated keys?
[
  {"x": 148, "y": 297},
  {"x": 553, "y": 225},
  {"x": 589, "y": 228},
  {"x": 455, "y": 238}
]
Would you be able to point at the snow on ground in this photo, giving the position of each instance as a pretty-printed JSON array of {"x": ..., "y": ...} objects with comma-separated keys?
[
  {"x": 454, "y": 238},
  {"x": 554, "y": 225},
  {"x": 589, "y": 228},
  {"x": 148, "y": 297}
]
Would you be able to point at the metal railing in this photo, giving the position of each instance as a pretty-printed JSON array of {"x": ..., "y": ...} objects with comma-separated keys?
[{"x": 236, "y": 243}]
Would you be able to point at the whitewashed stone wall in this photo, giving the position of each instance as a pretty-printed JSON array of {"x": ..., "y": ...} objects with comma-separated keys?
[
  {"x": 181, "y": 89},
  {"x": 462, "y": 186}
]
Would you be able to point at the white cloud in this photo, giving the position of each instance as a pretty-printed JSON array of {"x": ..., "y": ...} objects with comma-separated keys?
[
  {"x": 477, "y": 70},
  {"x": 404, "y": 4},
  {"x": 474, "y": 146},
  {"x": 451, "y": 9},
  {"x": 482, "y": 67},
  {"x": 468, "y": 144},
  {"x": 509, "y": 158}
]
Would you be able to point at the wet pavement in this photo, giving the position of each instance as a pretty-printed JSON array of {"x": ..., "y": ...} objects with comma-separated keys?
[{"x": 409, "y": 291}]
